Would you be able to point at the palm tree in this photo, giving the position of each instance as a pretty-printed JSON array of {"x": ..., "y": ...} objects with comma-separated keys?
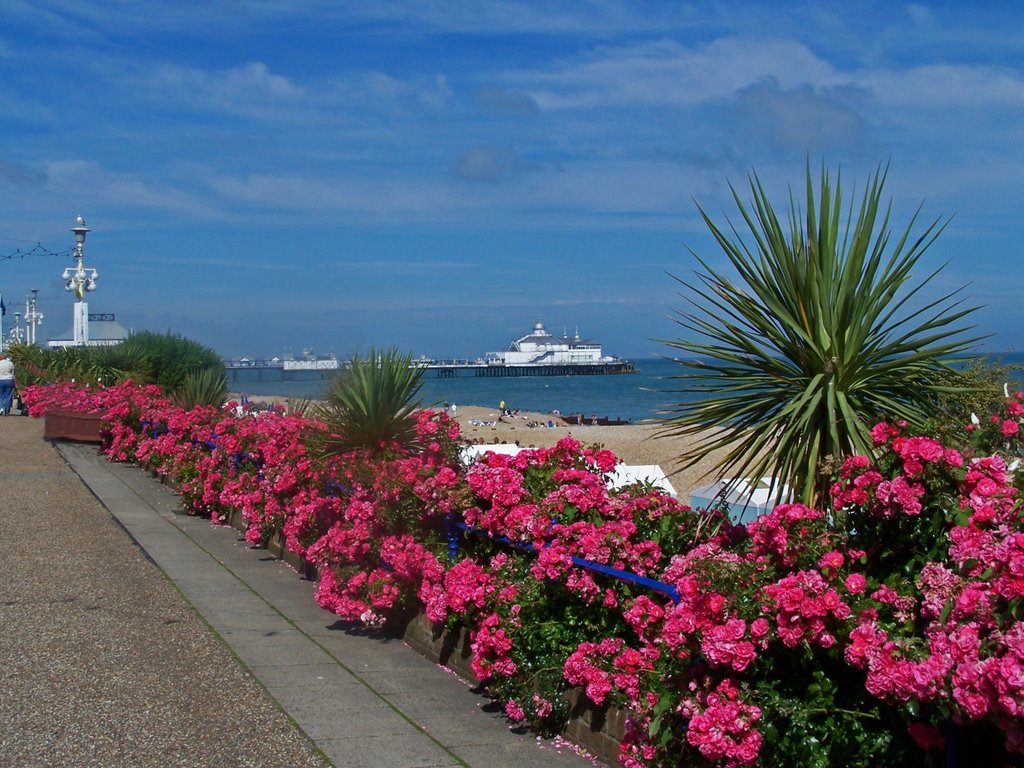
[
  {"x": 204, "y": 386},
  {"x": 821, "y": 335},
  {"x": 371, "y": 404}
]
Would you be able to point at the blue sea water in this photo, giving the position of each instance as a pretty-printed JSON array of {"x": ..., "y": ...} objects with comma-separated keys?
[
  {"x": 634, "y": 397},
  {"x": 642, "y": 396}
]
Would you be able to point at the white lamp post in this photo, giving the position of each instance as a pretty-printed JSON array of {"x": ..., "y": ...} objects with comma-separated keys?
[
  {"x": 33, "y": 318},
  {"x": 16, "y": 330},
  {"x": 80, "y": 280}
]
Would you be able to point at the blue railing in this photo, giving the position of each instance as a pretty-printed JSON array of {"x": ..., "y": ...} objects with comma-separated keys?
[{"x": 453, "y": 527}]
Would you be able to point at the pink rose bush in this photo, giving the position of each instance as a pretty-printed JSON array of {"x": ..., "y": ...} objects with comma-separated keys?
[{"x": 883, "y": 630}]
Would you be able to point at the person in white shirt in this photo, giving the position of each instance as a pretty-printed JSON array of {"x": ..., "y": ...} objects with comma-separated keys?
[{"x": 6, "y": 384}]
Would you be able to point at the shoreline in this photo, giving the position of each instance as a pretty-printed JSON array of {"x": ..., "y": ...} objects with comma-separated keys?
[{"x": 635, "y": 443}]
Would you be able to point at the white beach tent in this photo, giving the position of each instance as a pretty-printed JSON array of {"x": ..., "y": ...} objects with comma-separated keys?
[
  {"x": 473, "y": 452},
  {"x": 747, "y": 499},
  {"x": 627, "y": 474},
  {"x": 623, "y": 474}
]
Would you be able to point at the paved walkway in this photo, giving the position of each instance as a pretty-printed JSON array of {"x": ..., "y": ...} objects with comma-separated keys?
[{"x": 109, "y": 665}]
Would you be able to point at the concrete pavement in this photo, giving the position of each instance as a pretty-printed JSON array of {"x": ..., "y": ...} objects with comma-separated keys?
[{"x": 362, "y": 700}]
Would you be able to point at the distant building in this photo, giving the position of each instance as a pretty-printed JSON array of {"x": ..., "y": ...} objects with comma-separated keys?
[
  {"x": 104, "y": 331},
  {"x": 541, "y": 348}
]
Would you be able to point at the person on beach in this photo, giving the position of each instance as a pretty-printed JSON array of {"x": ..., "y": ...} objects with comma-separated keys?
[{"x": 6, "y": 384}]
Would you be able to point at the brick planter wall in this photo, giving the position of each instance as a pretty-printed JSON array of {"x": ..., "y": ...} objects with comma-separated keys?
[{"x": 72, "y": 425}]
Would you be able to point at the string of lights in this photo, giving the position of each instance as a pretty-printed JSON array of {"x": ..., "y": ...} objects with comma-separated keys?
[{"x": 36, "y": 250}]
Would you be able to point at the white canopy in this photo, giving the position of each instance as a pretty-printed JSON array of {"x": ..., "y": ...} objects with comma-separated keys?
[
  {"x": 746, "y": 499},
  {"x": 473, "y": 452},
  {"x": 627, "y": 474},
  {"x": 623, "y": 474}
]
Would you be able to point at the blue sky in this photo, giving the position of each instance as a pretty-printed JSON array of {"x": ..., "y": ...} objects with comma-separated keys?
[{"x": 266, "y": 176}]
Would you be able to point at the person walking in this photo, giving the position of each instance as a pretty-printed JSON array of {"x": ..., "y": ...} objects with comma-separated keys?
[{"x": 6, "y": 384}]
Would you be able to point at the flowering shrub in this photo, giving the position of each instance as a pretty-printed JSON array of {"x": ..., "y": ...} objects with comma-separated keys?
[{"x": 870, "y": 633}]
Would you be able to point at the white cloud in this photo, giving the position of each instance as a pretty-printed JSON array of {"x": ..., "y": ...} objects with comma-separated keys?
[
  {"x": 490, "y": 164},
  {"x": 665, "y": 73},
  {"x": 801, "y": 117},
  {"x": 378, "y": 198},
  {"x": 22, "y": 175},
  {"x": 496, "y": 99},
  {"x": 82, "y": 178},
  {"x": 943, "y": 86},
  {"x": 255, "y": 91},
  {"x": 246, "y": 89}
]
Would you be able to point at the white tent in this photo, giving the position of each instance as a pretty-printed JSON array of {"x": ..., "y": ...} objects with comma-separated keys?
[
  {"x": 473, "y": 452},
  {"x": 746, "y": 499},
  {"x": 623, "y": 474},
  {"x": 627, "y": 474}
]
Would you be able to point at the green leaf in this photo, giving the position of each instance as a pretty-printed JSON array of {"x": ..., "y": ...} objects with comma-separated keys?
[{"x": 810, "y": 337}]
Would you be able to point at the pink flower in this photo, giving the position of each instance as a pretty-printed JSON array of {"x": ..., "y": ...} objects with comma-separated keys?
[
  {"x": 855, "y": 583},
  {"x": 514, "y": 711},
  {"x": 541, "y": 706}
]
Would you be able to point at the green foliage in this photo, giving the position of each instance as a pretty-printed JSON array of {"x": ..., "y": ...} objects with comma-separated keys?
[
  {"x": 148, "y": 358},
  {"x": 92, "y": 365},
  {"x": 973, "y": 386},
  {"x": 371, "y": 404},
  {"x": 549, "y": 624},
  {"x": 821, "y": 334},
  {"x": 171, "y": 357},
  {"x": 207, "y": 386},
  {"x": 299, "y": 406}
]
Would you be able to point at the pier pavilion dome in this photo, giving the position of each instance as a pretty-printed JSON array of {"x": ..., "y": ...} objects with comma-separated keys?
[
  {"x": 541, "y": 348},
  {"x": 537, "y": 340}
]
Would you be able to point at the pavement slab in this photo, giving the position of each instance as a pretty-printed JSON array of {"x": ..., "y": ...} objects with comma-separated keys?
[{"x": 98, "y": 558}]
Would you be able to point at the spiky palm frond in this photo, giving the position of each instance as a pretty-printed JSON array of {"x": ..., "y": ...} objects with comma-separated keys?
[
  {"x": 208, "y": 386},
  {"x": 821, "y": 334},
  {"x": 371, "y": 404},
  {"x": 92, "y": 365}
]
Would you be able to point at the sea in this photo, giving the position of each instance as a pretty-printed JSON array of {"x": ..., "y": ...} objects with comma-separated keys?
[
  {"x": 645, "y": 396},
  {"x": 634, "y": 397}
]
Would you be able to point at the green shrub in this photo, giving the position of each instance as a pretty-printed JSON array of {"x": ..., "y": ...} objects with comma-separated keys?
[
  {"x": 148, "y": 358},
  {"x": 371, "y": 404},
  {"x": 92, "y": 365},
  {"x": 172, "y": 357}
]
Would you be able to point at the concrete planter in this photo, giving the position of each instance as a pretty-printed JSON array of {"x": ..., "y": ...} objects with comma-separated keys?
[{"x": 72, "y": 425}]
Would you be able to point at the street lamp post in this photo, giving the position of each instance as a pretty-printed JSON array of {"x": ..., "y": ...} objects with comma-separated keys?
[
  {"x": 80, "y": 280},
  {"x": 16, "y": 330},
  {"x": 33, "y": 317}
]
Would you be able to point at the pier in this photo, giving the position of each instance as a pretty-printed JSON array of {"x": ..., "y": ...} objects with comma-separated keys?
[
  {"x": 279, "y": 370},
  {"x": 449, "y": 369}
]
